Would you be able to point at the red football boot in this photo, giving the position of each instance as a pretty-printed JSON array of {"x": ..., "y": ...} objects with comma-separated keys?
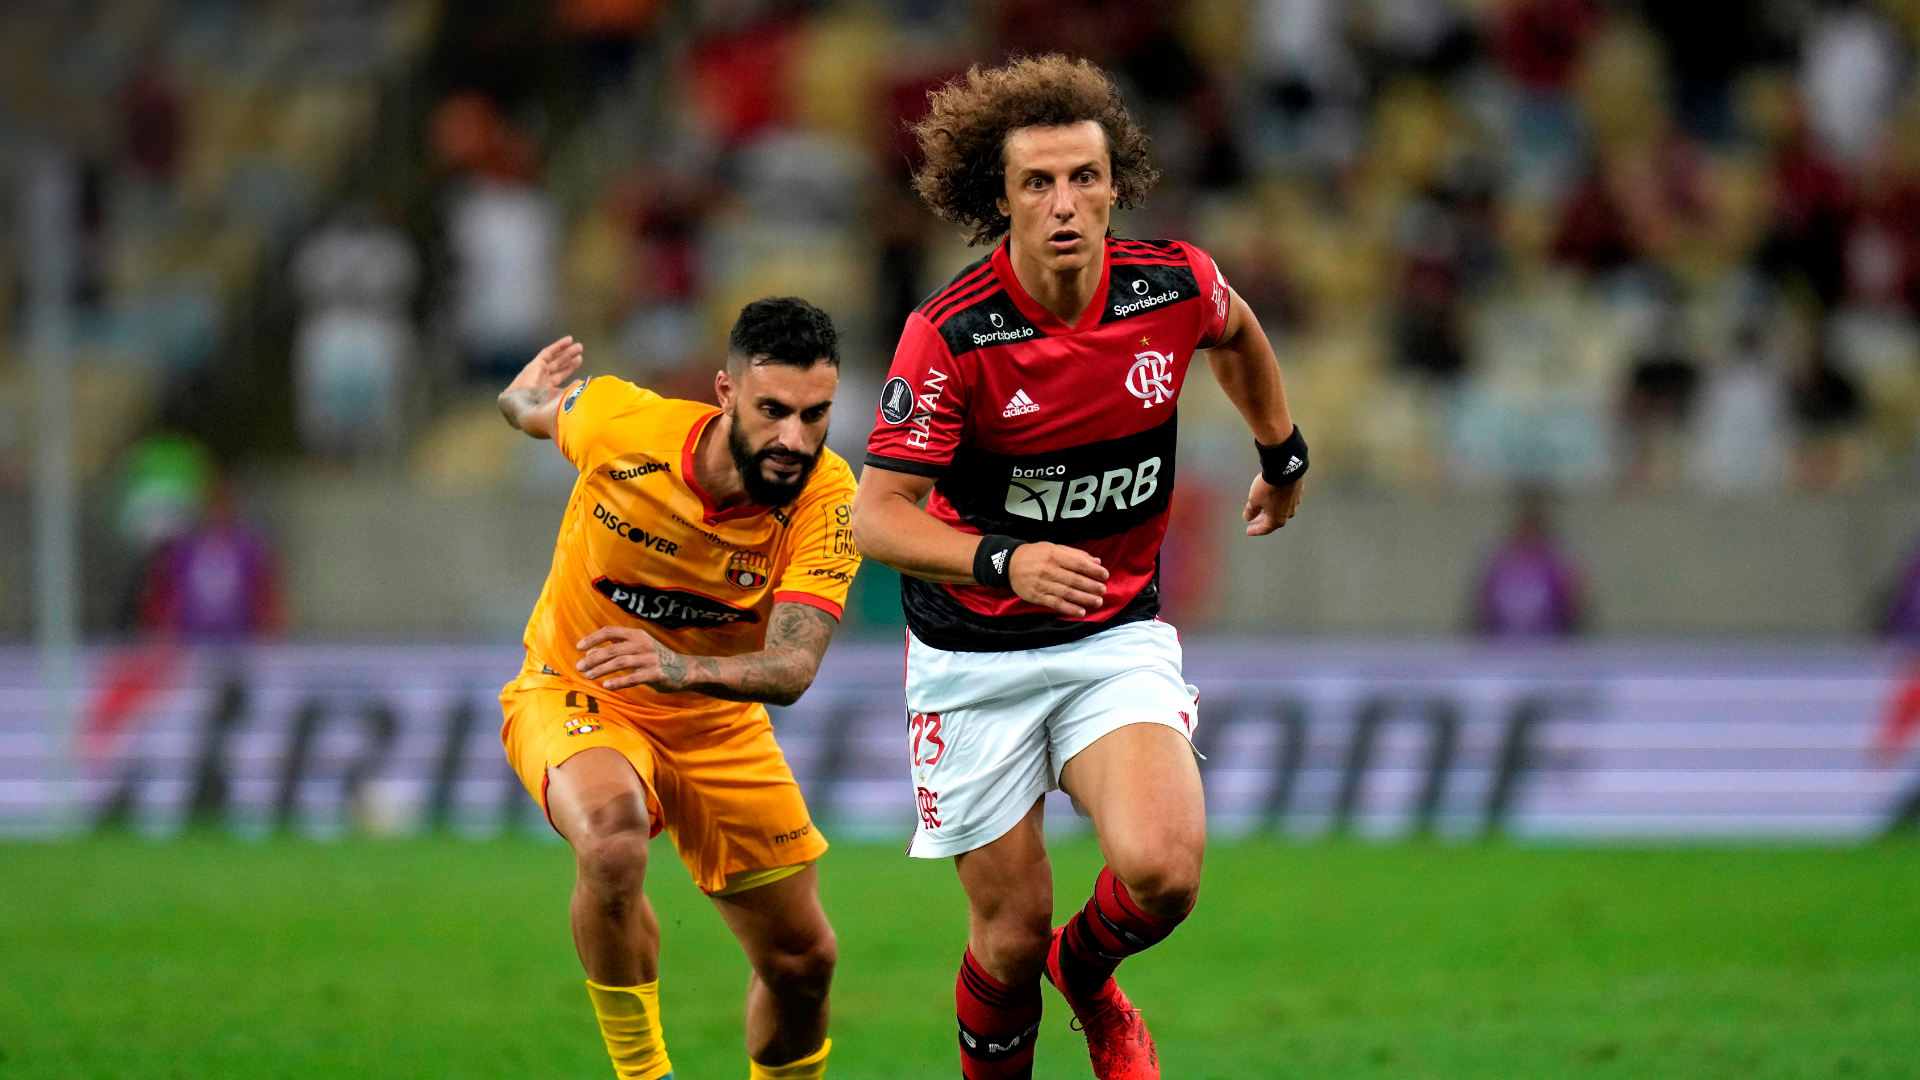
[{"x": 1117, "y": 1039}]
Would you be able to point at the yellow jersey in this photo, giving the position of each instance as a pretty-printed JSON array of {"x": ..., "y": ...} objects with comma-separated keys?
[{"x": 643, "y": 546}]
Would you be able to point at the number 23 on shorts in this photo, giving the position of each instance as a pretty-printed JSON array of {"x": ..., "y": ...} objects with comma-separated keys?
[{"x": 927, "y": 744}]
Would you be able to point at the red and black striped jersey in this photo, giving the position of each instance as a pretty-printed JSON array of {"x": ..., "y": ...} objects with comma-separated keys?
[{"x": 1043, "y": 431}]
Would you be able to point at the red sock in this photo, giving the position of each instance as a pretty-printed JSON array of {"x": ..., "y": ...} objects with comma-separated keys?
[
  {"x": 998, "y": 1024},
  {"x": 1108, "y": 930}
]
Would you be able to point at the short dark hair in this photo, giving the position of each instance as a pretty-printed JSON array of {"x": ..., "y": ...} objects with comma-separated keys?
[
  {"x": 783, "y": 330},
  {"x": 964, "y": 135}
]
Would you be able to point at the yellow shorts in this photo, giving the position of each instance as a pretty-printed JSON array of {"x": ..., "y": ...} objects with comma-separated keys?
[{"x": 721, "y": 790}]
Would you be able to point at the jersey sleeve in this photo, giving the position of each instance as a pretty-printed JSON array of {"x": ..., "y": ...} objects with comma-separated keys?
[
  {"x": 1217, "y": 293},
  {"x": 923, "y": 406},
  {"x": 823, "y": 561},
  {"x": 592, "y": 412}
]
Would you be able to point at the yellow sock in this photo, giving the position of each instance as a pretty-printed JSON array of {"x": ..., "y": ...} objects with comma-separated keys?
[
  {"x": 811, "y": 1067},
  {"x": 630, "y": 1022}
]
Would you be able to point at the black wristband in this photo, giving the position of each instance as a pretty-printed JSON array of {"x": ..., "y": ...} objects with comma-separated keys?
[
  {"x": 993, "y": 559},
  {"x": 1285, "y": 462}
]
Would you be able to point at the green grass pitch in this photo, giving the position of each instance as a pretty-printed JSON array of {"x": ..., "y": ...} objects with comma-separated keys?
[{"x": 216, "y": 958}]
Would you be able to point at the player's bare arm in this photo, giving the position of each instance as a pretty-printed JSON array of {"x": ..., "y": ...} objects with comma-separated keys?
[
  {"x": 532, "y": 400},
  {"x": 1249, "y": 373},
  {"x": 797, "y": 637},
  {"x": 890, "y": 526}
]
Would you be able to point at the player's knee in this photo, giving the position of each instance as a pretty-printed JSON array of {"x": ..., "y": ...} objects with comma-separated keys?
[
  {"x": 622, "y": 813},
  {"x": 1014, "y": 941},
  {"x": 1166, "y": 887},
  {"x": 801, "y": 973},
  {"x": 1168, "y": 897},
  {"x": 613, "y": 864}
]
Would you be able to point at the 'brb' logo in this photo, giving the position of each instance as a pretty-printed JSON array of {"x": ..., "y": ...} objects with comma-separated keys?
[{"x": 1151, "y": 379}]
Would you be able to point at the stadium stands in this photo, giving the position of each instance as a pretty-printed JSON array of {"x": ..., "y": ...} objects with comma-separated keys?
[{"x": 1612, "y": 249}]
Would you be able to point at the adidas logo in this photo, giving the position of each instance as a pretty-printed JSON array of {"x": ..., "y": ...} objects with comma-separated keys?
[
  {"x": 999, "y": 561},
  {"x": 1020, "y": 405},
  {"x": 1292, "y": 464}
]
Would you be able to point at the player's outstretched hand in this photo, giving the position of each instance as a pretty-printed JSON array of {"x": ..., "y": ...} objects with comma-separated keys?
[
  {"x": 551, "y": 368},
  {"x": 1269, "y": 507},
  {"x": 646, "y": 662},
  {"x": 1056, "y": 576},
  {"x": 532, "y": 401}
]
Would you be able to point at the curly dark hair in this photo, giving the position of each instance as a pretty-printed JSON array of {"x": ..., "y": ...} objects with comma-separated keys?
[
  {"x": 964, "y": 135},
  {"x": 783, "y": 330}
]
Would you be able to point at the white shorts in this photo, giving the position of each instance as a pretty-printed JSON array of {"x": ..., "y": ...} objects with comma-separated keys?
[{"x": 990, "y": 731}]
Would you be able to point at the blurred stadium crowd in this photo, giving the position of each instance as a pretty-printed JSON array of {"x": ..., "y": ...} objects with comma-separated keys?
[{"x": 1569, "y": 245}]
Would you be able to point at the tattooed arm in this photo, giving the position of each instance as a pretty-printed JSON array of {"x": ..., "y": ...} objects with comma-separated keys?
[
  {"x": 531, "y": 402},
  {"x": 778, "y": 674}
]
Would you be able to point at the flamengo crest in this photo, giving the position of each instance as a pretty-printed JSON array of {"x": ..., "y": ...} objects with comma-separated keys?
[{"x": 1151, "y": 378}]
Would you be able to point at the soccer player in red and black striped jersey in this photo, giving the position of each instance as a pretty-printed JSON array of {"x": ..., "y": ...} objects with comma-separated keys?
[{"x": 1031, "y": 404}]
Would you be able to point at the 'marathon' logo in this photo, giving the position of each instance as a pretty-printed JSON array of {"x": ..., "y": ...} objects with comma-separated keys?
[{"x": 672, "y": 609}]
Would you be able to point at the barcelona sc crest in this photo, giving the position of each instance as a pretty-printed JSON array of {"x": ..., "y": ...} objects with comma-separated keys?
[
  {"x": 583, "y": 725},
  {"x": 748, "y": 569}
]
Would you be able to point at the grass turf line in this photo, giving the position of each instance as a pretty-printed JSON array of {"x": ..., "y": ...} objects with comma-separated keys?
[{"x": 214, "y": 958}]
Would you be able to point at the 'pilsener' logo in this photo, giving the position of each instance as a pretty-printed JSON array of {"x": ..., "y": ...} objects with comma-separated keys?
[{"x": 672, "y": 609}]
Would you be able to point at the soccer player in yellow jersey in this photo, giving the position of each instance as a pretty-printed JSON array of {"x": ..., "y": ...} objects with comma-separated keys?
[{"x": 700, "y": 571}]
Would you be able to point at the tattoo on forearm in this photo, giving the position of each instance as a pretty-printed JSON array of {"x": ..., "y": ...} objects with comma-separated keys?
[
  {"x": 516, "y": 403},
  {"x": 672, "y": 664},
  {"x": 797, "y": 637},
  {"x": 801, "y": 626}
]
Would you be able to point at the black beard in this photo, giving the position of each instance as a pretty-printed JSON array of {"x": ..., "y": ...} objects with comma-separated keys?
[{"x": 760, "y": 488}]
